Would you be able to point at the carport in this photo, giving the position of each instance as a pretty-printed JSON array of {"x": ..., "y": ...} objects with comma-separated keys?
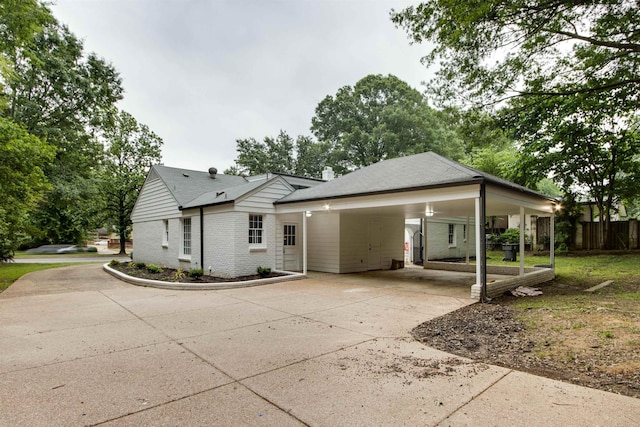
[{"x": 340, "y": 217}]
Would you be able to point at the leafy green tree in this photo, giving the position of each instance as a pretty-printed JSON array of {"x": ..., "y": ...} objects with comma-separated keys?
[
  {"x": 379, "y": 117},
  {"x": 131, "y": 148},
  {"x": 549, "y": 188},
  {"x": 499, "y": 163},
  {"x": 60, "y": 95},
  {"x": 570, "y": 71},
  {"x": 22, "y": 182},
  {"x": 303, "y": 157},
  {"x": 591, "y": 150},
  {"x": 491, "y": 49}
]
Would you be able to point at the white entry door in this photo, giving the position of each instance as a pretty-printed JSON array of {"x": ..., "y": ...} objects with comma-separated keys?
[
  {"x": 375, "y": 252},
  {"x": 291, "y": 255}
]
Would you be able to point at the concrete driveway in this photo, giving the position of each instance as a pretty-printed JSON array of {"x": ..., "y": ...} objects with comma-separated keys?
[{"x": 78, "y": 347}]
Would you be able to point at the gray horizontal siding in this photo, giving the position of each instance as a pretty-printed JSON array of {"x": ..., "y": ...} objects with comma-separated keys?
[
  {"x": 262, "y": 200},
  {"x": 154, "y": 202}
]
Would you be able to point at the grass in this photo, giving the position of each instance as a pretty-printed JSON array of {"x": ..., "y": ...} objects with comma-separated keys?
[
  {"x": 581, "y": 268},
  {"x": 598, "y": 331},
  {"x": 10, "y": 272}
]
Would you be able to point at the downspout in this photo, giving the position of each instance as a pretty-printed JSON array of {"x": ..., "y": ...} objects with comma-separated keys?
[
  {"x": 483, "y": 243},
  {"x": 201, "y": 238}
]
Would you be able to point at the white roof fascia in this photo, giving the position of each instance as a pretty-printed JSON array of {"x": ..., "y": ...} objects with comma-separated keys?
[{"x": 442, "y": 194}]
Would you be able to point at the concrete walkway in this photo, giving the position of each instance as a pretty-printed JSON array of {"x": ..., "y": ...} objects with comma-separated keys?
[{"x": 79, "y": 347}]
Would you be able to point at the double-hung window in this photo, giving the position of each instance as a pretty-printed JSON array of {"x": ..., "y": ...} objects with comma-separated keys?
[
  {"x": 452, "y": 235},
  {"x": 186, "y": 236},
  {"x": 165, "y": 233},
  {"x": 255, "y": 230}
]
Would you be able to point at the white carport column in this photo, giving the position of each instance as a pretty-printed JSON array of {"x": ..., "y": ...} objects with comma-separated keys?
[
  {"x": 522, "y": 219},
  {"x": 304, "y": 243},
  {"x": 552, "y": 241}
]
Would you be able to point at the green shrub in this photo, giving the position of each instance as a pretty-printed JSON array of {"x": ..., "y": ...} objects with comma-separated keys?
[
  {"x": 152, "y": 268},
  {"x": 92, "y": 249},
  {"x": 178, "y": 275},
  {"x": 263, "y": 271},
  {"x": 196, "y": 273},
  {"x": 140, "y": 265},
  {"x": 512, "y": 235},
  {"x": 114, "y": 262}
]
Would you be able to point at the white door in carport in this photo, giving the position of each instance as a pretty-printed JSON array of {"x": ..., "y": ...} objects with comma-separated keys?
[
  {"x": 375, "y": 253},
  {"x": 291, "y": 255}
]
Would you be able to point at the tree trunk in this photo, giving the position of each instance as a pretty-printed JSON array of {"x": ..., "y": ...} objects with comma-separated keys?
[
  {"x": 122, "y": 228},
  {"x": 123, "y": 243}
]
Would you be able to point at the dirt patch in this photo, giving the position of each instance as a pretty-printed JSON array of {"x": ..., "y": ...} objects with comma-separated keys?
[
  {"x": 381, "y": 364},
  {"x": 567, "y": 334},
  {"x": 172, "y": 275}
]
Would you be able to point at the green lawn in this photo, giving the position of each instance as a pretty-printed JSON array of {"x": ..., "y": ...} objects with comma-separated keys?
[
  {"x": 10, "y": 272},
  {"x": 582, "y": 268}
]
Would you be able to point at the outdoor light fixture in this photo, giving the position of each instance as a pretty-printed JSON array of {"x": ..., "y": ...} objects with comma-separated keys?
[
  {"x": 327, "y": 206},
  {"x": 308, "y": 214},
  {"x": 428, "y": 213}
]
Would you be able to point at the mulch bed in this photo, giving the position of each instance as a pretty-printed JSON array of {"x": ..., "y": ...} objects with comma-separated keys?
[{"x": 171, "y": 275}]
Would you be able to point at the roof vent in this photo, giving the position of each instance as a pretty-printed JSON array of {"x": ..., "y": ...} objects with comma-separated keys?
[
  {"x": 213, "y": 172},
  {"x": 327, "y": 173}
]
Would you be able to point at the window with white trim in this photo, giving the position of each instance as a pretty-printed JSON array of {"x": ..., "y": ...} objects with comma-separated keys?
[
  {"x": 255, "y": 229},
  {"x": 165, "y": 233},
  {"x": 186, "y": 236},
  {"x": 452, "y": 234}
]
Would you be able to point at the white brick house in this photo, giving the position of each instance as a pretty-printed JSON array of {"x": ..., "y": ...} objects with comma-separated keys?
[{"x": 230, "y": 225}]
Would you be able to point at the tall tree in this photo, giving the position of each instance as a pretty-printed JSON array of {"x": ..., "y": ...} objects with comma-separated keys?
[
  {"x": 379, "y": 117},
  {"x": 22, "y": 182},
  {"x": 571, "y": 74},
  {"x": 491, "y": 49},
  {"x": 302, "y": 156},
  {"x": 60, "y": 95},
  {"x": 591, "y": 150},
  {"x": 131, "y": 148}
]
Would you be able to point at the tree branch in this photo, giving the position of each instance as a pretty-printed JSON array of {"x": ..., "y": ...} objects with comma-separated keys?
[{"x": 615, "y": 45}]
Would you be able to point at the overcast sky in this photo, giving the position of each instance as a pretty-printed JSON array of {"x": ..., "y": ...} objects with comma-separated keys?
[{"x": 203, "y": 73}]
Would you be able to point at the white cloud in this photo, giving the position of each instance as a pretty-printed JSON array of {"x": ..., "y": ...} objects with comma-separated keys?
[{"x": 202, "y": 73}]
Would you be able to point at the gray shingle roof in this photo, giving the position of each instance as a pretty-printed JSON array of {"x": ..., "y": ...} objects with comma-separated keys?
[
  {"x": 186, "y": 185},
  {"x": 223, "y": 196},
  {"x": 400, "y": 174}
]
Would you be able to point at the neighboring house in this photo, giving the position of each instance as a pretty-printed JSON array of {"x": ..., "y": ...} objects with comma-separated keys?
[{"x": 230, "y": 225}]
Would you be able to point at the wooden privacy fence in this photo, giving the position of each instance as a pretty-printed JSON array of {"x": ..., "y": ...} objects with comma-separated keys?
[{"x": 622, "y": 235}]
